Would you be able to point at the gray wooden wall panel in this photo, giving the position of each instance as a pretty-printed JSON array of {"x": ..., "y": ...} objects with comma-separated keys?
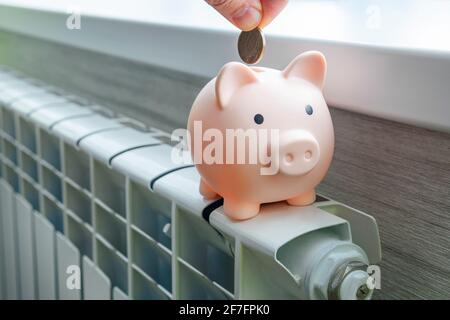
[
  {"x": 401, "y": 175},
  {"x": 398, "y": 173},
  {"x": 168, "y": 95}
]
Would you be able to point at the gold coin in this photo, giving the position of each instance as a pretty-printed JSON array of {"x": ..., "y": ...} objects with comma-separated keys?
[{"x": 251, "y": 45}]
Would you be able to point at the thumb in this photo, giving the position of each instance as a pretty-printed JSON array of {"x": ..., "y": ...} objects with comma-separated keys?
[{"x": 244, "y": 14}]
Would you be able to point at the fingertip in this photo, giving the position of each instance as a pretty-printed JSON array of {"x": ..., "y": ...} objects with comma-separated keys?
[
  {"x": 247, "y": 18},
  {"x": 271, "y": 9}
]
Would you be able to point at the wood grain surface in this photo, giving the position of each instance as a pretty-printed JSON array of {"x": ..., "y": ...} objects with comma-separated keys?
[{"x": 398, "y": 173}]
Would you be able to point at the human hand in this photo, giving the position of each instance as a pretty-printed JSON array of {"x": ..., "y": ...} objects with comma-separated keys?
[{"x": 248, "y": 14}]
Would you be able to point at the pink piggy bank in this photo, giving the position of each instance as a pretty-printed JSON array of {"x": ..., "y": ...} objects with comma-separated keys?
[{"x": 260, "y": 135}]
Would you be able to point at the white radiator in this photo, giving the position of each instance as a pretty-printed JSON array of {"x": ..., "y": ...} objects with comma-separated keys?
[{"x": 82, "y": 188}]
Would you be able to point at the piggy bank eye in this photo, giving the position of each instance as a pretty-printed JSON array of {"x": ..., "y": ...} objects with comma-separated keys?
[
  {"x": 309, "y": 110},
  {"x": 259, "y": 119}
]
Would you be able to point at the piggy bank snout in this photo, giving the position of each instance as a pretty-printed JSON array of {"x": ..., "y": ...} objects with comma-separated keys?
[{"x": 299, "y": 152}]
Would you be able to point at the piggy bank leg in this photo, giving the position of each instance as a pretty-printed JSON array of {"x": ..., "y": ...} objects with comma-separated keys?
[
  {"x": 240, "y": 210},
  {"x": 206, "y": 190},
  {"x": 303, "y": 199}
]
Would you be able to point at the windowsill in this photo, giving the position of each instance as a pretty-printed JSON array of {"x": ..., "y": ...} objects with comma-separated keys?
[{"x": 402, "y": 75}]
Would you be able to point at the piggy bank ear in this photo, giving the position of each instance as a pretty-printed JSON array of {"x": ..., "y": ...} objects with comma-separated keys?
[
  {"x": 310, "y": 66},
  {"x": 232, "y": 77}
]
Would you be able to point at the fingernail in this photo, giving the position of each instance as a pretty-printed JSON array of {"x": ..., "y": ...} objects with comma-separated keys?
[{"x": 247, "y": 18}]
